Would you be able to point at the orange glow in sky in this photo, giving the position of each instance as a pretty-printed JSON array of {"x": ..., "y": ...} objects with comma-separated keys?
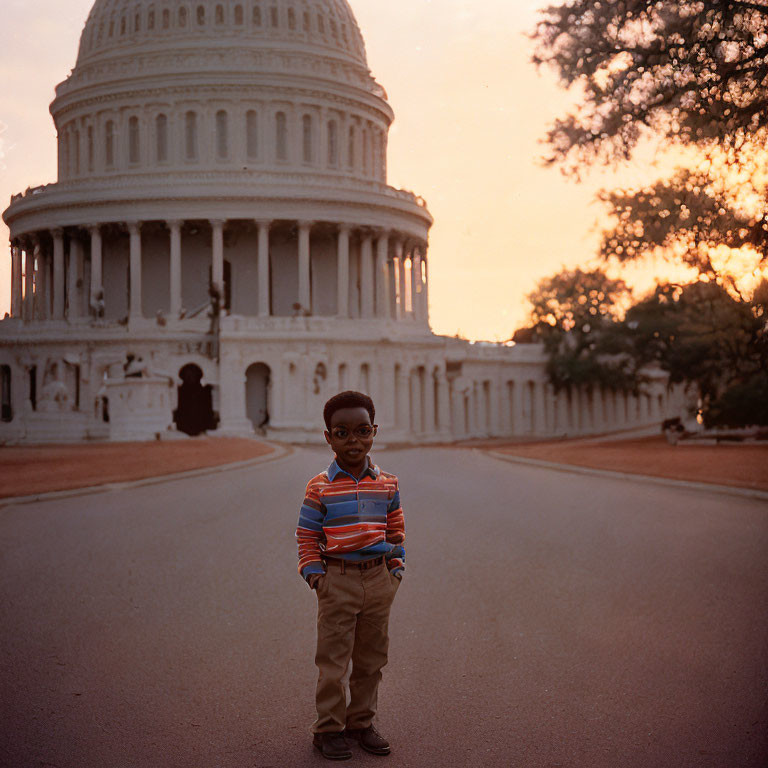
[{"x": 470, "y": 110}]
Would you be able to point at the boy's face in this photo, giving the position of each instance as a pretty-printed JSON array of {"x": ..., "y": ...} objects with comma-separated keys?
[{"x": 351, "y": 437}]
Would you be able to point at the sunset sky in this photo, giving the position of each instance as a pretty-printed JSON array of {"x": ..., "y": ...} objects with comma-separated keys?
[{"x": 470, "y": 111}]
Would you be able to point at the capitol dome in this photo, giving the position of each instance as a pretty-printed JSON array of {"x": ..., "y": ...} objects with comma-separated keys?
[
  {"x": 118, "y": 28},
  {"x": 222, "y": 251}
]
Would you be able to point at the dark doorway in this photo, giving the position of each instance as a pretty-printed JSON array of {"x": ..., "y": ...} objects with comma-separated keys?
[
  {"x": 194, "y": 414},
  {"x": 257, "y": 383}
]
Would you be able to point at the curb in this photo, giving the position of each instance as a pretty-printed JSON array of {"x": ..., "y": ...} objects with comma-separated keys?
[
  {"x": 280, "y": 452},
  {"x": 725, "y": 490}
]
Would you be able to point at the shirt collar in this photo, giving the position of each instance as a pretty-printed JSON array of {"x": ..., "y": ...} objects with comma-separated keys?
[{"x": 371, "y": 470}]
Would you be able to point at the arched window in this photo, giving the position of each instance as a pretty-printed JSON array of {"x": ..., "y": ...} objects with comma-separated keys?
[
  {"x": 190, "y": 135},
  {"x": 166, "y": 18},
  {"x": 200, "y": 15},
  {"x": 320, "y": 23},
  {"x": 257, "y": 15},
  {"x": 239, "y": 15},
  {"x": 365, "y": 151},
  {"x": 222, "y": 135},
  {"x": 151, "y": 19},
  {"x": 251, "y": 134},
  {"x": 161, "y": 137},
  {"x": 306, "y": 21},
  {"x": 351, "y": 147},
  {"x": 182, "y": 16},
  {"x": 334, "y": 31},
  {"x": 273, "y": 16},
  {"x": 281, "y": 137},
  {"x": 90, "y": 148},
  {"x": 291, "y": 19},
  {"x": 306, "y": 125},
  {"x": 100, "y": 35},
  {"x": 133, "y": 140},
  {"x": 219, "y": 14},
  {"x": 137, "y": 22},
  {"x": 109, "y": 144},
  {"x": 112, "y": 28},
  {"x": 122, "y": 25},
  {"x": 333, "y": 144}
]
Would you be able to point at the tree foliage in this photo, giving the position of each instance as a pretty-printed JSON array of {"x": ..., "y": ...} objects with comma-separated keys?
[
  {"x": 693, "y": 215},
  {"x": 577, "y": 300},
  {"x": 693, "y": 71},
  {"x": 698, "y": 333},
  {"x": 574, "y": 314}
]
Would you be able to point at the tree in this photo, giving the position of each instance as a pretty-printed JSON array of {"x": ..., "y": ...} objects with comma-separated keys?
[
  {"x": 720, "y": 230},
  {"x": 576, "y": 300},
  {"x": 692, "y": 71},
  {"x": 705, "y": 338},
  {"x": 574, "y": 314}
]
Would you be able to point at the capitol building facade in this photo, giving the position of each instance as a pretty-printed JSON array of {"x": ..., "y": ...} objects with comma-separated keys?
[{"x": 221, "y": 252}]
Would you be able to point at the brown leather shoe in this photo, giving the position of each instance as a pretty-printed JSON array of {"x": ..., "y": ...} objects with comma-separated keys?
[
  {"x": 370, "y": 740},
  {"x": 332, "y": 746}
]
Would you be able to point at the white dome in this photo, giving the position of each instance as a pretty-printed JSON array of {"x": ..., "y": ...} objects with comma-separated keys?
[
  {"x": 164, "y": 87},
  {"x": 124, "y": 27}
]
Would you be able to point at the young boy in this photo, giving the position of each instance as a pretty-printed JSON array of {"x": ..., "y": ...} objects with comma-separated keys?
[{"x": 350, "y": 535}]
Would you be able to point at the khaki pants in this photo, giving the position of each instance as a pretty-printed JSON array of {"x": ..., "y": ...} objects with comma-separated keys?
[{"x": 352, "y": 624}]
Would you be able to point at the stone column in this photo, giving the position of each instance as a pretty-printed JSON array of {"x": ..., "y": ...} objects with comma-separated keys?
[
  {"x": 58, "y": 274},
  {"x": 415, "y": 382},
  {"x": 42, "y": 283},
  {"x": 367, "y": 299},
  {"x": 74, "y": 306},
  {"x": 217, "y": 258},
  {"x": 443, "y": 403},
  {"x": 382, "y": 276},
  {"x": 459, "y": 422},
  {"x": 497, "y": 424},
  {"x": 305, "y": 290},
  {"x": 598, "y": 404},
  {"x": 96, "y": 258},
  {"x": 430, "y": 426},
  {"x": 403, "y": 397},
  {"x": 175, "y": 268},
  {"x": 552, "y": 412},
  {"x": 539, "y": 410},
  {"x": 342, "y": 272},
  {"x": 16, "y": 287},
  {"x": 400, "y": 297},
  {"x": 262, "y": 259},
  {"x": 415, "y": 284},
  {"x": 134, "y": 230},
  {"x": 425, "y": 288},
  {"x": 562, "y": 412},
  {"x": 576, "y": 415},
  {"x": 29, "y": 280}
]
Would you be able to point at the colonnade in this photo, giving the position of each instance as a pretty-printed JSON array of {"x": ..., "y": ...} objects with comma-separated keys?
[{"x": 44, "y": 286}]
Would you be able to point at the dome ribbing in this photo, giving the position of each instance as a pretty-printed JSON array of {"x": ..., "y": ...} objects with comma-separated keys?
[{"x": 124, "y": 27}]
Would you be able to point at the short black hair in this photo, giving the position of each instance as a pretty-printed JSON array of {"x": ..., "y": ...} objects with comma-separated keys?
[{"x": 348, "y": 399}]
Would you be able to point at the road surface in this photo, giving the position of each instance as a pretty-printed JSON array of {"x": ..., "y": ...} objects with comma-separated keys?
[{"x": 546, "y": 620}]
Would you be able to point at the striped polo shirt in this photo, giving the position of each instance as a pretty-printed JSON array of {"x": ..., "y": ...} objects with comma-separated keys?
[{"x": 349, "y": 518}]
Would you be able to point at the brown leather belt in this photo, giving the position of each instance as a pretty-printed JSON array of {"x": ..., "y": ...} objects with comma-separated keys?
[{"x": 362, "y": 566}]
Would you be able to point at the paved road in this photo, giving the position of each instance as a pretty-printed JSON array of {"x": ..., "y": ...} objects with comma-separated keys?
[{"x": 546, "y": 620}]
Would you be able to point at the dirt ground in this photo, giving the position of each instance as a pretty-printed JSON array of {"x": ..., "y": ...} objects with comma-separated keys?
[
  {"x": 744, "y": 466},
  {"x": 27, "y": 470}
]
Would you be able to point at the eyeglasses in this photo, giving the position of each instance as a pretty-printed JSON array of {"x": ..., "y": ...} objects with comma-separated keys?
[{"x": 363, "y": 432}]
